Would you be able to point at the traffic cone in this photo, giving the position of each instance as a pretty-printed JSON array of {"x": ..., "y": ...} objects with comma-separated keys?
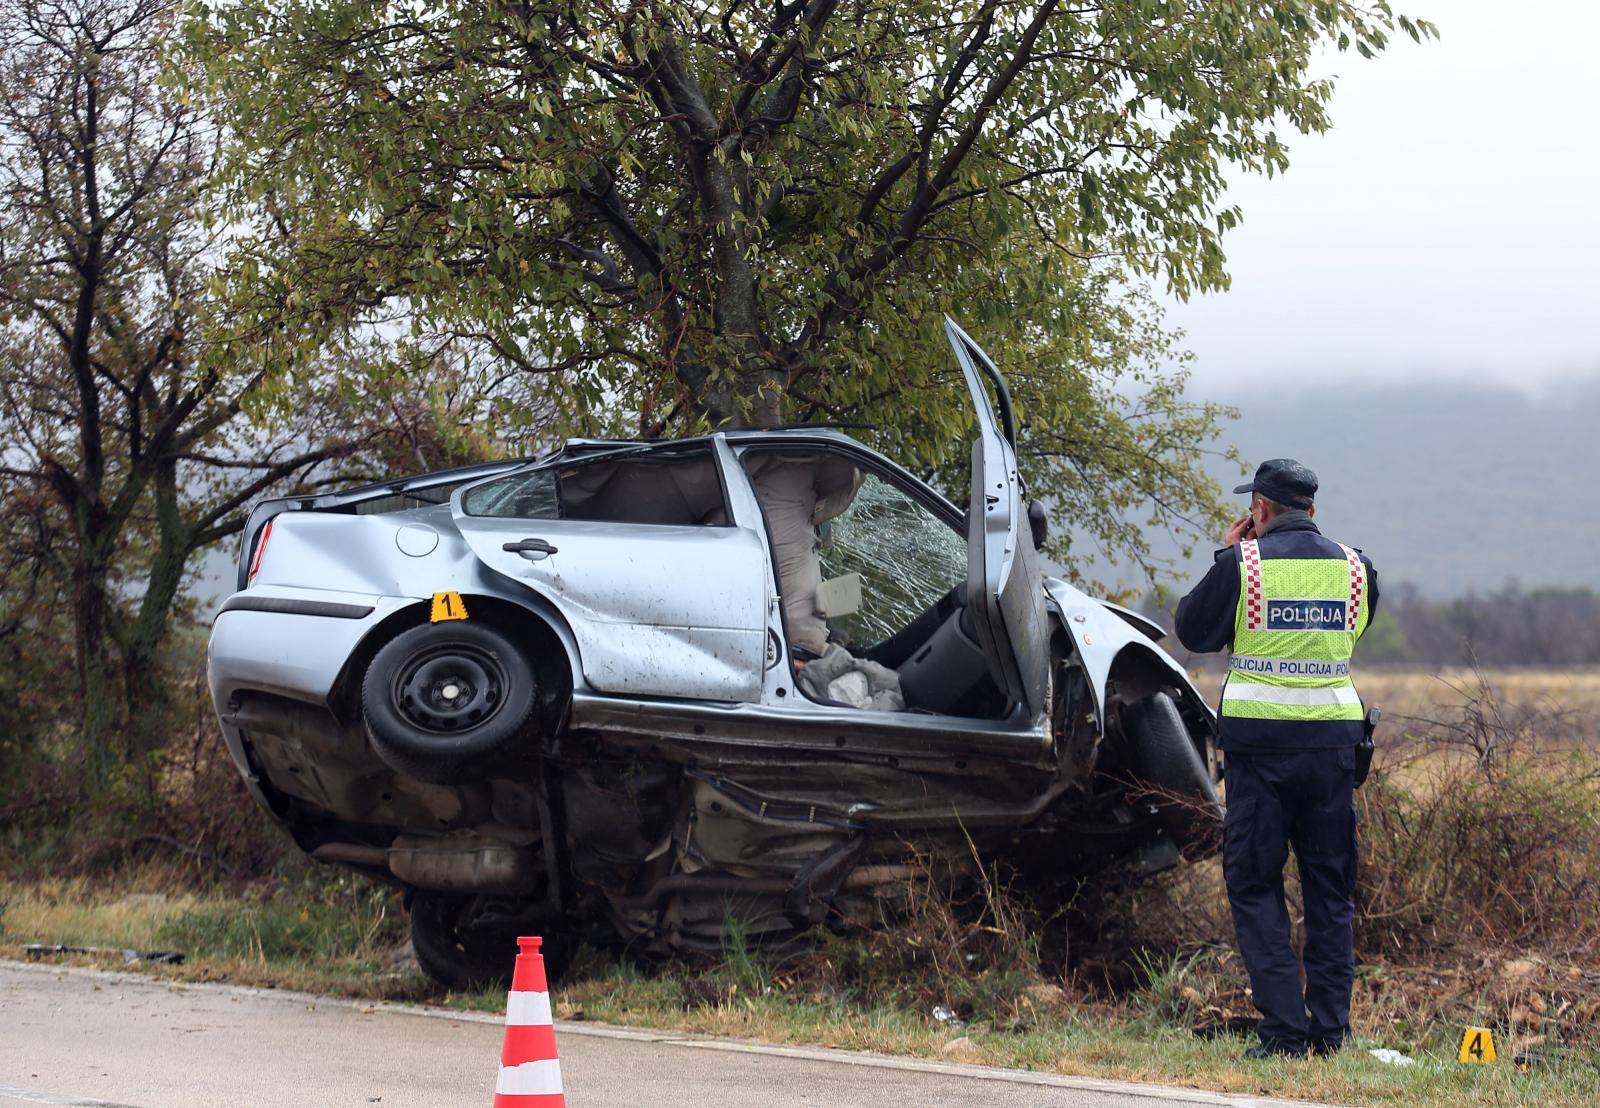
[{"x": 530, "y": 1075}]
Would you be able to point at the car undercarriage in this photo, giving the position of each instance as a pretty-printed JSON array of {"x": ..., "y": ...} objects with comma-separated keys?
[{"x": 618, "y": 834}]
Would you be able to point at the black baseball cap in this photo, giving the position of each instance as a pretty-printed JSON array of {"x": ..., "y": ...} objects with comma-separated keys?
[{"x": 1283, "y": 481}]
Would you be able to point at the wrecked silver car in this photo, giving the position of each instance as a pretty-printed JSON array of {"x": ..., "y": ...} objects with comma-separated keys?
[{"x": 642, "y": 692}]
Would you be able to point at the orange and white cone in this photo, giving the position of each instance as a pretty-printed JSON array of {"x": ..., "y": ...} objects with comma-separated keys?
[{"x": 530, "y": 1075}]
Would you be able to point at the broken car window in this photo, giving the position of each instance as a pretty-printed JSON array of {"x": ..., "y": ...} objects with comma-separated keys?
[
  {"x": 907, "y": 557},
  {"x": 679, "y": 489},
  {"x": 525, "y": 495}
]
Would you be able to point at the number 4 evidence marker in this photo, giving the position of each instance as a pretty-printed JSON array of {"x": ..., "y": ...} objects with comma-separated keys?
[{"x": 1477, "y": 1046}]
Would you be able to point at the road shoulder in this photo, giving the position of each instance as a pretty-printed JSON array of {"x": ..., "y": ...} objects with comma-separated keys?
[{"x": 684, "y": 1040}]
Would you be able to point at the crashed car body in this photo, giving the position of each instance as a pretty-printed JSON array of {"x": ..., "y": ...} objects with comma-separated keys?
[{"x": 642, "y": 692}]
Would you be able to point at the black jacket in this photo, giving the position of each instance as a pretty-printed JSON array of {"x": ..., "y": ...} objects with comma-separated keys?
[{"x": 1206, "y": 619}]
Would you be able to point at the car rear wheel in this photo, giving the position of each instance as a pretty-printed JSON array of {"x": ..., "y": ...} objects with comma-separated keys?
[
  {"x": 443, "y": 702},
  {"x": 1166, "y": 761},
  {"x": 470, "y": 942}
]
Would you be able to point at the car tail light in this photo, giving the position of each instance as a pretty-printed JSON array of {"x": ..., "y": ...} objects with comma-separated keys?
[{"x": 255, "y": 559}]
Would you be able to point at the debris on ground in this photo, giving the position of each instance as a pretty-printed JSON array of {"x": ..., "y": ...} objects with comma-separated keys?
[
  {"x": 129, "y": 957},
  {"x": 1392, "y": 1057},
  {"x": 962, "y": 1049},
  {"x": 1052, "y": 998}
]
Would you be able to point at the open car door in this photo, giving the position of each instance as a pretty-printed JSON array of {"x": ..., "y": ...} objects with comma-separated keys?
[{"x": 1004, "y": 590}]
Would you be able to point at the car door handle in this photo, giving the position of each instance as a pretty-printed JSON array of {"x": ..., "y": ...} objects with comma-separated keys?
[{"x": 532, "y": 549}]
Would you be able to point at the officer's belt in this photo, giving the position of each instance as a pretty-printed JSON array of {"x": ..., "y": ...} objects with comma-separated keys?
[
  {"x": 1290, "y": 696},
  {"x": 1288, "y": 667}
]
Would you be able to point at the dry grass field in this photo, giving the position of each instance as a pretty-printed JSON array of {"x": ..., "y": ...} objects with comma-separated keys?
[
  {"x": 1422, "y": 693},
  {"x": 1410, "y": 696}
]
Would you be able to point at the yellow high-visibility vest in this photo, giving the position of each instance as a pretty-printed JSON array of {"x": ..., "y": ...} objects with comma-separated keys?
[{"x": 1294, "y": 633}]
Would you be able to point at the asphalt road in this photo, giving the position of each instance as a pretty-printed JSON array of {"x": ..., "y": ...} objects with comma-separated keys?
[{"x": 112, "y": 1040}]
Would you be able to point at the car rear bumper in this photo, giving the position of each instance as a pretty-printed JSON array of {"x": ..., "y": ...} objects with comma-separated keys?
[{"x": 288, "y": 641}]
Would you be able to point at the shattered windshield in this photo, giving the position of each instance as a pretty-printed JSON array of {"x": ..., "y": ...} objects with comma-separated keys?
[{"x": 907, "y": 557}]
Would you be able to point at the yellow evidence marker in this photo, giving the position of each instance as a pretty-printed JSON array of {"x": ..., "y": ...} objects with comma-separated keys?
[
  {"x": 447, "y": 605},
  {"x": 1477, "y": 1046}
]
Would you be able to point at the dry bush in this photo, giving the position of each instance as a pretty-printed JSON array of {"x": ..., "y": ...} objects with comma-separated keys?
[
  {"x": 182, "y": 807},
  {"x": 1481, "y": 829},
  {"x": 199, "y": 810},
  {"x": 1479, "y": 860},
  {"x": 967, "y": 941}
]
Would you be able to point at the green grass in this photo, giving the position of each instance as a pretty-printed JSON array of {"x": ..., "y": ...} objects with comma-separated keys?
[
  {"x": 340, "y": 937},
  {"x": 337, "y": 936}
]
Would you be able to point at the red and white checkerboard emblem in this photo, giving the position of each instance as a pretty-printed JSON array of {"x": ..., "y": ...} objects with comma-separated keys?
[
  {"x": 1358, "y": 587},
  {"x": 1253, "y": 608}
]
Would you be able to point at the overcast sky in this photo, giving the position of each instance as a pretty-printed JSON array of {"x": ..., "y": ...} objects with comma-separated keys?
[{"x": 1449, "y": 224}]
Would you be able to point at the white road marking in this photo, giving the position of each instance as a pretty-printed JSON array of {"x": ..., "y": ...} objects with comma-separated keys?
[{"x": 34, "y": 1096}]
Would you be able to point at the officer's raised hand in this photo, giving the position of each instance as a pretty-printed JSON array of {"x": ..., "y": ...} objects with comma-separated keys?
[{"x": 1239, "y": 530}]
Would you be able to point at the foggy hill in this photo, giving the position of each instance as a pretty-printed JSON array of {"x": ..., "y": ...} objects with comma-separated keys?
[{"x": 1448, "y": 486}]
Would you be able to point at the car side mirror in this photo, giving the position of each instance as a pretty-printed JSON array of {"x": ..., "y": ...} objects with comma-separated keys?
[{"x": 1038, "y": 523}]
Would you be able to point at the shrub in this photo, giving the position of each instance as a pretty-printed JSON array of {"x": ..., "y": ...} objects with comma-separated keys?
[
  {"x": 1481, "y": 829},
  {"x": 964, "y": 941}
]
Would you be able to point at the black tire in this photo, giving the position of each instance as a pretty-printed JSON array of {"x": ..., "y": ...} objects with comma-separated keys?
[
  {"x": 467, "y": 942},
  {"x": 1165, "y": 760},
  {"x": 445, "y": 701}
]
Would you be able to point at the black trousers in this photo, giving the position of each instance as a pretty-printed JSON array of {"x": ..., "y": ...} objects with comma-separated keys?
[{"x": 1304, "y": 800}]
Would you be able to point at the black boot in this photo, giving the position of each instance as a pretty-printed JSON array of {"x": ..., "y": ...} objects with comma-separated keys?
[{"x": 1274, "y": 1050}]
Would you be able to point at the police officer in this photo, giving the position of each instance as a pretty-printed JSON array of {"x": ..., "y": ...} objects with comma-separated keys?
[{"x": 1290, "y": 605}]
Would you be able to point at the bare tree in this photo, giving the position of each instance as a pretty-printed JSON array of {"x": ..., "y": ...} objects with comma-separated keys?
[{"x": 134, "y": 452}]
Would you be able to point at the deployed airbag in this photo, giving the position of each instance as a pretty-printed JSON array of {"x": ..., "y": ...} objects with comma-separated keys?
[
  {"x": 839, "y": 596},
  {"x": 795, "y": 495},
  {"x": 841, "y": 676}
]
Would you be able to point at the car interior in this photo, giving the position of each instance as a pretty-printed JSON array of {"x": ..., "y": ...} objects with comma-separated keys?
[
  {"x": 676, "y": 488},
  {"x": 874, "y": 583}
]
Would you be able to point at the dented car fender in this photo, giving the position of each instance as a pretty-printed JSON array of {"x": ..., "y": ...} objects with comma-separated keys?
[{"x": 1101, "y": 636}]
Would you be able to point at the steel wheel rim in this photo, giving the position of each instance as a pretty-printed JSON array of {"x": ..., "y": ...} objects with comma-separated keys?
[{"x": 449, "y": 688}]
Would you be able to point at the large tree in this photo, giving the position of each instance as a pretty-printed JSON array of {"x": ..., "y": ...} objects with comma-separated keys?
[{"x": 685, "y": 213}]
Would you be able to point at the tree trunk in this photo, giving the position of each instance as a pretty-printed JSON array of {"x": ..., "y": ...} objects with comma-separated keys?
[
  {"x": 141, "y": 658},
  {"x": 97, "y": 721},
  {"x": 745, "y": 388},
  {"x": 141, "y": 646},
  {"x": 753, "y": 396}
]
